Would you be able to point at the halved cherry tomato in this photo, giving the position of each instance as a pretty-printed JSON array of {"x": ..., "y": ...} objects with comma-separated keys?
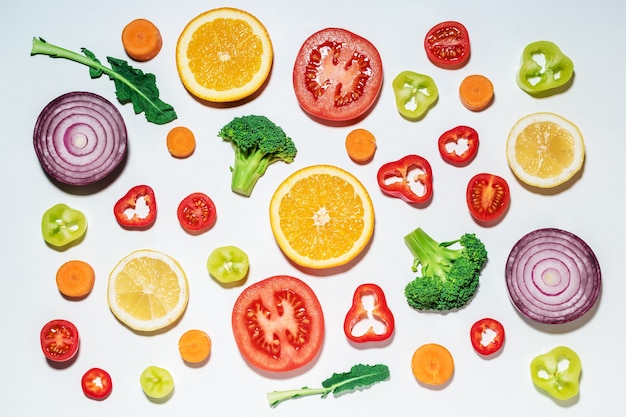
[
  {"x": 197, "y": 213},
  {"x": 447, "y": 45},
  {"x": 137, "y": 208},
  {"x": 59, "y": 340},
  {"x": 278, "y": 324},
  {"x": 97, "y": 384},
  {"x": 488, "y": 197},
  {"x": 369, "y": 319},
  {"x": 487, "y": 336},
  {"x": 337, "y": 75},
  {"x": 454, "y": 138}
]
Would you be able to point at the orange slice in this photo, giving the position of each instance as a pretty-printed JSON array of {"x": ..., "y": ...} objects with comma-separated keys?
[
  {"x": 224, "y": 55},
  {"x": 545, "y": 150},
  {"x": 321, "y": 216},
  {"x": 148, "y": 290}
]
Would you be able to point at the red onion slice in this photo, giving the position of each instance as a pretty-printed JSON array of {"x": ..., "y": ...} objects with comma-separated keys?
[
  {"x": 552, "y": 276},
  {"x": 80, "y": 138}
]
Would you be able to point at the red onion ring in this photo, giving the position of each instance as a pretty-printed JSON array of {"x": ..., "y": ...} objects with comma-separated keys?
[
  {"x": 80, "y": 138},
  {"x": 552, "y": 276}
]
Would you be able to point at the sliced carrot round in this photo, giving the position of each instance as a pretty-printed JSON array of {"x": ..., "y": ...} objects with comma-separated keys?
[
  {"x": 141, "y": 40},
  {"x": 194, "y": 346},
  {"x": 181, "y": 142},
  {"x": 476, "y": 92},
  {"x": 75, "y": 279},
  {"x": 432, "y": 364},
  {"x": 360, "y": 145}
]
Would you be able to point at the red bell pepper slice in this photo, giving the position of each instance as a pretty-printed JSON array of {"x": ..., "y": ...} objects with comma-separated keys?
[
  {"x": 137, "y": 209},
  {"x": 363, "y": 313},
  {"x": 449, "y": 142},
  {"x": 409, "y": 178}
]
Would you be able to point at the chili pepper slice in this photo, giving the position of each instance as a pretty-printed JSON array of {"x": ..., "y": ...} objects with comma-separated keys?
[
  {"x": 409, "y": 178},
  {"x": 415, "y": 94},
  {"x": 62, "y": 225},
  {"x": 363, "y": 312},
  {"x": 557, "y": 372},
  {"x": 487, "y": 336},
  {"x": 463, "y": 138},
  {"x": 137, "y": 209},
  {"x": 536, "y": 76},
  {"x": 96, "y": 384}
]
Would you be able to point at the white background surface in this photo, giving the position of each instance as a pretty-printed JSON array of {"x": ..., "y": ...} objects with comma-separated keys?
[{"x": 592, "y": 208}]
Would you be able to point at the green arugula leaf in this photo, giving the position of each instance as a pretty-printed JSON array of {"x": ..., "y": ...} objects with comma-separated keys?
[
  {"x": 131, "y": 84},
  {"x": 359, "y": 376}
]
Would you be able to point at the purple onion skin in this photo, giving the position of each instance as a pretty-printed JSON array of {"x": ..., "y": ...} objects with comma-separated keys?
[
  {"x": 80, "y": 138},
  {"x": 552, "y": 276}
]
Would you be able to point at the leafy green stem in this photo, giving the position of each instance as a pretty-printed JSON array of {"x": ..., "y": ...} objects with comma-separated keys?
[{"x": 131, "y": 84}]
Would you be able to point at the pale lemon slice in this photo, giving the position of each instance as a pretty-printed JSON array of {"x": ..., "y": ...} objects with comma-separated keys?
[
  {"x": 147, "y": 290},
  {"x": 545, "y": 150},
  {"x": 224, "y": 55},
  {"x": 321, "y": 216}
]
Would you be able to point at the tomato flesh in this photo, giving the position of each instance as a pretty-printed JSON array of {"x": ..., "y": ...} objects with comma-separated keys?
[
  {"x": 337, "y": 75},
  {"x": 97, "y": 384},
  {"x": 488, "y": 197},
  {"x": 278, "y": 324},
  {"x": 447, "y": 45},
  {"x": 197, "y": 213},
  {"x": 487, "y": 336},
  {"x": 59, "y": 340}
]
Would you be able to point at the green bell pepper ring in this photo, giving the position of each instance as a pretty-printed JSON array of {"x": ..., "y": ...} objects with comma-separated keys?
[
  {"x": 557, "y": 372},
  {"x": 62, "y": 225},
  {"x": 543, "y": 68},
  {"x": 415, "y": 94}
]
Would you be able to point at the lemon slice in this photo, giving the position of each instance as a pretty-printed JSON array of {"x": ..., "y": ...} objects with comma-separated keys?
[
  {"x": 224, "y": 55},
  {"x": 321, "y": 216},
  {"x": 147, "y": 290},
  {"x": 545, "y": 150}
]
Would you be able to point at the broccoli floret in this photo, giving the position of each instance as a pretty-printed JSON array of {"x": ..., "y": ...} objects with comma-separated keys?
[
  {"x": 449, "y": 276},
  {"x": 257, "y": 142}
]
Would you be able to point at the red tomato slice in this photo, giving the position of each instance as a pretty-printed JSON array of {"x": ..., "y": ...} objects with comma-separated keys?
[
  {"x": 487, "y": 336},
  {"x": 197, "y": 213},
  {"x": 59, "y": 340},
  {"x": 97, "y": 384},
  {"x": 337, "y": 75},
  {"x": 447, "y": 45},
  {"x": 488, "y": 197},
  {"x": 278, "y": 324}
]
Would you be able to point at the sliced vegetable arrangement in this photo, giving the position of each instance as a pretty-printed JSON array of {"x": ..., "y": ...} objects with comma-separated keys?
[
  {"x": 544, "y": 68},
  {"x": 321, "y": 216},
  {"x": 557, "y": 372},
  {"x": 553, "y": 276},
  {"x": 80, "y": 138},
  {"x": 337, "y": 75},
  {"x": 278, "y": 324}
]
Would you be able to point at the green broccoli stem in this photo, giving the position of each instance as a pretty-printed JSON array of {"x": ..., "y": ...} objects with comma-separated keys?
[
  {"x": 247, "y": 170},
  {"x": 428, "y": 251},
  {"x": 276, "y": 397}
]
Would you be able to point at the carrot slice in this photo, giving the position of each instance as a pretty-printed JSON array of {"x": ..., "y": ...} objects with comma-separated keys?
[
  {"x": 141, "y": 40},
  {"x": 432, "y": 364},
  {"x": 194, "y": 346},
  {"x": 476, "y": 92},
  {"x": 360, "y": 145},
  {"x": 181, "y": 142},
  {"x": 75, "y": 279}
]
